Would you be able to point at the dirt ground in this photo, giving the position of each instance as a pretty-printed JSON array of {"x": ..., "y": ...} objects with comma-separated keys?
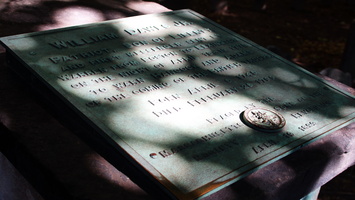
[{"x": 313, "y": 34}]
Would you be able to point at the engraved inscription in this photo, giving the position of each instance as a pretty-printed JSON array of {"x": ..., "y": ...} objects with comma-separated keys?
[
  {"x": 103, "y": 79},
  {"x": 128, "y": 83},
  {"x": 223, "y": 116},
  {"x": 264, "y": 146},
  {"x": 67, "y": 77},
  {"x": 151, "y": 88},
  {"x": 307, "y": 126},
  {"x": 147, "y": 29},
  {"x": 213, "y": 96},
  {"x": 217, "y": 150},
  {"x": 164, "y": 99},
  {"x": 116, "y": 97},
  {"x": 160, "y": 75},
  {"x": 321, "y": 106},
  {"x": 167, "y": 111},
  {"x": 225, "y": 67},
  {"x": 72, "y": 67},
  {"x": 62, "y": 44},
  {"x": 159, "y": 56},
  {"x": 133, "y": 72},
  {"x": 183, "y": 93},
  {"x": 190, "y": 33},
  {"x": 201, "y": 88},
  {"x": 204, "y": 139}
]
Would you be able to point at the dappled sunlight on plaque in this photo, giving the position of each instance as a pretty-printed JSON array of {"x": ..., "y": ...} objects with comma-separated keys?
[{"x": 192, "y": 103}]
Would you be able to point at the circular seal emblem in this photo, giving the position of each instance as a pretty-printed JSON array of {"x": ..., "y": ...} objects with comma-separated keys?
[{"x": 263, "y": 119}]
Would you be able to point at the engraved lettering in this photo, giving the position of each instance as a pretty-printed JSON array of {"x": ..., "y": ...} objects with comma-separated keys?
[
  {"x": 101, "y": 90},
  {"x": 284, "y": 106},
  {"x": 201, "y": 88},
  {"x": 196, "y": 40},
  {"x": 246, "y": 86},
  {"x": 72, "y": 67},
  {"x": 311, "y": 109},
  {"x": 159, "y": 56},
  {"x": 238, "y": 55},
  {"x": 238, "y": 46},
  {"x": 225, "y": 67},
  {"x": 260, "y": 148},
  {"x": 288, "y": 134},
  {"x": 246, "y": 75},
  {"x": 103, "y": 79},
  {"x": 217, "y": 150},
  {"x": 182, "y": 60},
  {"x": 213, "y": 96},
  {"x": 197, "y": 75},
  {"x": 210, "y": 62},
  {"x": 166, "y": 112},
  {"x": 79, "y": 85},
  {"x": 157, "y": 40},
  {"x": 223, "y": 116},
  {"x": 250, "y": 105},
  {"x": 266, "y": 100},
  {"x": 182, "y": 23},
  {"x": 164, "y": 99},
  {"x": 172, "y": 72},
  {"x": 83, "y": 41},
  {"x": 116, "y": 97},
  {"x": 124, "y": 65},
  {"x": 135, "y": 44},
  {"x": 133, "y": 72},
  {"x": 307, "y": 126},
  {"x": 218, "y": 43},
  {"x": 265, "y": 79},
  {"x": 188, "y": 50},
  {"x": 100, "y": 61},
  {"x": 203, "y": 139},
  {"x": 201, "y": 47},
  {"x": 151, "y": 88},
  {"x": 207, "y": 54},
  {"x": 188, "y": 34},
  {"x": 67, "y": 77},
  {"x": 125, "y": 84},
  {"x": 256, "y": 59},
  {"x": 142, "y": 30},
  {"x": 89, "y": 54}
]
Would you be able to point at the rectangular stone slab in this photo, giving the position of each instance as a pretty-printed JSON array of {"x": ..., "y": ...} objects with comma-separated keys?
[{"x": 169, "y": 91}]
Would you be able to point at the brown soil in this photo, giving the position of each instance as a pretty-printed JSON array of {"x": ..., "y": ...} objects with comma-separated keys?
[{"x": 314, "y": 35}]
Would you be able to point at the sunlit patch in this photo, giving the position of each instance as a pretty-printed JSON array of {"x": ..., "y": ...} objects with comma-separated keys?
[
  {"x": 146, "y": 7},
  {"x": 73, "y": 15},
  {"x": 288, "y": 76},
  {"x": 27, "y": 46},
  {"x": 87, "y": 88}
]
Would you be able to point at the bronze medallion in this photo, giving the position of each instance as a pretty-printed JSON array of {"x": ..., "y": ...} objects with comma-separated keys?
[{"x": 263, "y": 119}]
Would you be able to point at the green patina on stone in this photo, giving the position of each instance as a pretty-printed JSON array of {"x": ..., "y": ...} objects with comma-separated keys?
[{"x": 171, "y": 90}]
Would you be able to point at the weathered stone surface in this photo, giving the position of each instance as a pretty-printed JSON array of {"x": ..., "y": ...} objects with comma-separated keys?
[
  {"x": 21, "y": 114},
  {"x": 186, "y": 81}
]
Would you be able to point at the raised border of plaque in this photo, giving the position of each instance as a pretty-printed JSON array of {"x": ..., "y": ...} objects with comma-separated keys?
[{"x": 192, "y": 105}]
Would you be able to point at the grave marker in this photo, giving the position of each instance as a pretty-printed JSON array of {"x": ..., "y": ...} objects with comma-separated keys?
[{"x": 188, "y": 101}]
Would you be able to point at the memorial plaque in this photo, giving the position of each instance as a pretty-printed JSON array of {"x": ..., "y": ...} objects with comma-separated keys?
[{"x": 191, "y": 103}]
